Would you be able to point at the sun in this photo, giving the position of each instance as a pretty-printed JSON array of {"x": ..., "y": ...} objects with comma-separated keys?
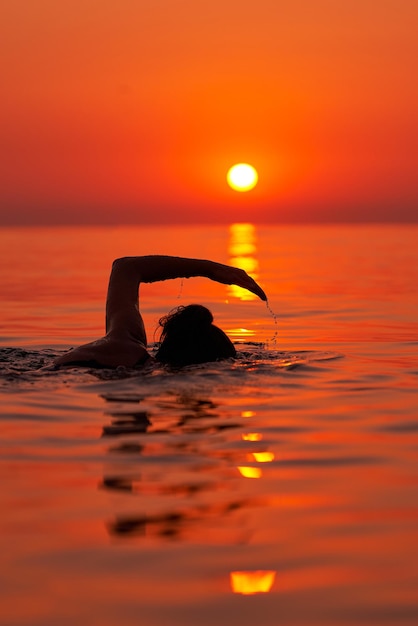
[{"x": 242, "y": 177}]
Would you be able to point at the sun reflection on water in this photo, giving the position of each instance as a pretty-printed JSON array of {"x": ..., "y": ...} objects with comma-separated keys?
[
  {"x": 246, "y": 583},
  {"x": 250, "y": 472},
  {"x": 252, "y": 436},
  {"x": 262, "y": 457},
  {"x": 242, "y": 250},
  {"x": 241, "y": 333}
]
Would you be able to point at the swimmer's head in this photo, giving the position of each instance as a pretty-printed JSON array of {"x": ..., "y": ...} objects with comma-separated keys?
[{"x": 189, "y": 336}]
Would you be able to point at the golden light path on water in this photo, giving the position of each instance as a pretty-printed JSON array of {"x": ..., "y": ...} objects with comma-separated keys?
[
  {"x": 257, "y": 581},
  {"x": 242, "y": 249}
]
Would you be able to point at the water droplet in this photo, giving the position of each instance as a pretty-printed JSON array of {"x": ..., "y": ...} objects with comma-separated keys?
[
  {"x": 181, "y": 289},
  {"x": 275, "y": 318}
]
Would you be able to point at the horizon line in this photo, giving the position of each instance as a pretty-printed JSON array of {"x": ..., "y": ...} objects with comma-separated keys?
[{"x": 167, "y": 224}]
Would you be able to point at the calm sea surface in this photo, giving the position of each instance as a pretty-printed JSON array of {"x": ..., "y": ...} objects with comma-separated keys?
[{"x": 280, "y": 488}]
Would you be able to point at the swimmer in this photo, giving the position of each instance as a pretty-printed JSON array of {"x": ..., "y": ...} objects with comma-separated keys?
[{"x": 188, "y": 334}]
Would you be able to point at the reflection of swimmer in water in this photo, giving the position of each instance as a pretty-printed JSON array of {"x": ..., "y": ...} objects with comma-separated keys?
[{"x": 188, "y": 334}]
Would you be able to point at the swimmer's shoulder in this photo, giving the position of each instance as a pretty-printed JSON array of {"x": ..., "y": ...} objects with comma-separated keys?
[{"x": 105, "y": 353}]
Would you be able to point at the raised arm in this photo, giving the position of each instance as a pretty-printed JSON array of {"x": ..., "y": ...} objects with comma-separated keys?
[{"x": 122, "y": 308}]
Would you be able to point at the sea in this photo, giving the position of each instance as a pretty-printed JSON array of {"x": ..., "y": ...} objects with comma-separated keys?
[{"x": 280, "y": 488}]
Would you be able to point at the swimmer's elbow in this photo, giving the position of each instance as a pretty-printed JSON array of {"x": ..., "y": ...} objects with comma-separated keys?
[
  {"x": 124, "y": 266},
  {"x": 121, "y": 262}
]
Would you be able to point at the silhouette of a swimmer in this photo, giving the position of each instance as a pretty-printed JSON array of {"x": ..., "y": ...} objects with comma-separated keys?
[{"x": 188, "y": 334}]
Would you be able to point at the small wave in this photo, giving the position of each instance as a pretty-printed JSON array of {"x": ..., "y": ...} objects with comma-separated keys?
[
  {"x": 16, "y": 363},
  {"x": 19, "y": 364}
]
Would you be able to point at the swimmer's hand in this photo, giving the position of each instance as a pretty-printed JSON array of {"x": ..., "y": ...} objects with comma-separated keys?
[{"x": 235, "y": 276}]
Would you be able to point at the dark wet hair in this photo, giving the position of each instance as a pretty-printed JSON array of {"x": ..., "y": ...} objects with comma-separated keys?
[{"x": 189, "y": 336}]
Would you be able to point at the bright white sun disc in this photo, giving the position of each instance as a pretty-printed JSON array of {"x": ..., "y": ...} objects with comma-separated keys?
[{"x": 242, "y": 177}]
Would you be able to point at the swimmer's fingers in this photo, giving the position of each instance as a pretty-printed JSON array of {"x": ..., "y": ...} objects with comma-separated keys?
[
  {"x": 235, "y": 276},
  {"x": 255, "y": 288},
  {"x": 249, "y": 283}
]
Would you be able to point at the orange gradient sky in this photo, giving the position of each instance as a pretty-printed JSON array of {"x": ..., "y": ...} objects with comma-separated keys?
[{"x": 133, "y": 111}]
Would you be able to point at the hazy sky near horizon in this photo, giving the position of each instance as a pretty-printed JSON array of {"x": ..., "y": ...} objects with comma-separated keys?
[{"x": 131, "y": 111}]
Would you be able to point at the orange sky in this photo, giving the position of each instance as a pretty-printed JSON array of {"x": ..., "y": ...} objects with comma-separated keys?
[{"x": 133, "y": 110}]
